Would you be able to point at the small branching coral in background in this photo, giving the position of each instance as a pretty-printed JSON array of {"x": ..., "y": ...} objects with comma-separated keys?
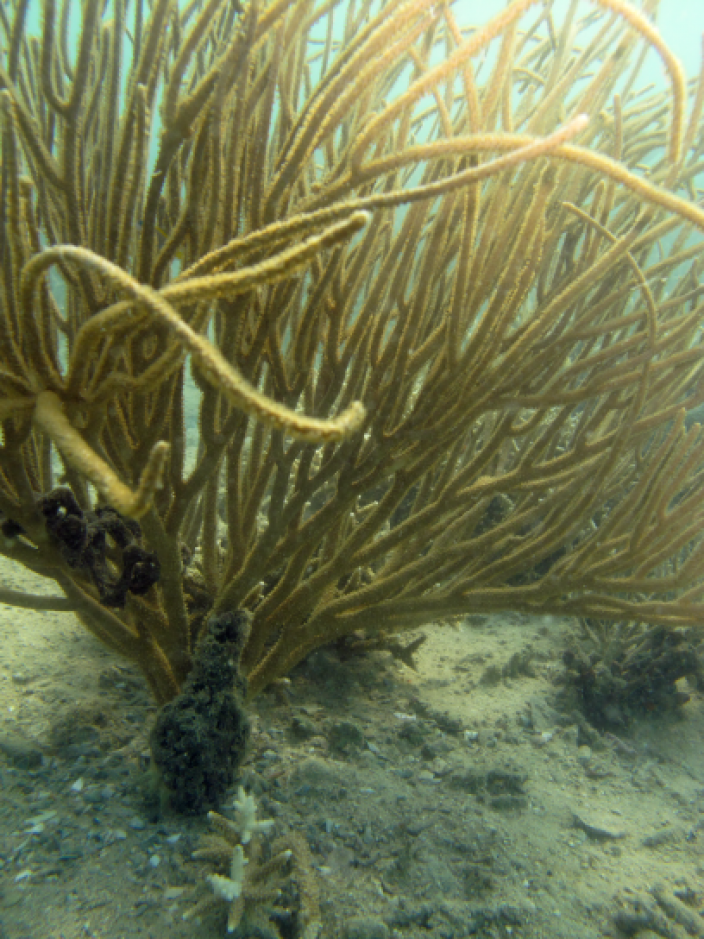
[
  {"x": 255, "y": 877},
  {"x": 614, "y": 672}
]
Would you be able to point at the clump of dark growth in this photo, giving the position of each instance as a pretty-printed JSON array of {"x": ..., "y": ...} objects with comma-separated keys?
[
  {"x": 631, "y": 673},
  {"x": 199, "y": 740},
  {"x": 10, "y": 529},
  {"x": 88, "y": 540}
]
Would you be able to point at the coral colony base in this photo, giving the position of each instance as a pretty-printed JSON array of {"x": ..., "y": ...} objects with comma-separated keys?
[{"x": 434, "y": 287}]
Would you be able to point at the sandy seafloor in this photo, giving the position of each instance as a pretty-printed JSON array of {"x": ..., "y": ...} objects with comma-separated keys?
[{"x": 462, "y": 825}]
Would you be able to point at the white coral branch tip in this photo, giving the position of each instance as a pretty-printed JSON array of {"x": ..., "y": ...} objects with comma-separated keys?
[
  {"x": 230, "y": 888},
  {"x": 224, "y": 887},
  {"x": 246, "y": 817}
]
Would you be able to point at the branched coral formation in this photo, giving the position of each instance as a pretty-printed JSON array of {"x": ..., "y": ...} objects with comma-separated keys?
[
  {"x": 615, "y": 672},
  {"x": 256, "y": 874},
  {"x": 433, "y": 287}
]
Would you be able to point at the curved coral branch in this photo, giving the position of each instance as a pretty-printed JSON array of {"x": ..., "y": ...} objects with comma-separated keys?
[
  {"x": 50, "y": 418},
  {"x": 213, "y": 364}
]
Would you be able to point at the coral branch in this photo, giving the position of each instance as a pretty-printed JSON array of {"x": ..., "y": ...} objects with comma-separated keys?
[{"x": 50, "y": 418}]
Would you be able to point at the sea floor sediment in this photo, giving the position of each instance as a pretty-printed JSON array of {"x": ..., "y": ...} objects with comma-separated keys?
[{"x": 452, "y": 800}]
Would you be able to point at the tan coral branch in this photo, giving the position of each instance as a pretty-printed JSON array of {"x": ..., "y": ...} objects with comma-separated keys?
[
  {"x": 213, "y": 364},
  {"x": 51, "y": 419},
  {"x": 482, "y": 37}
]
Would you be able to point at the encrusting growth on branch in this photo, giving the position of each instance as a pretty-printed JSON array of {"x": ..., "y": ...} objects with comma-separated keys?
[{"x": 377, "y": 337}]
